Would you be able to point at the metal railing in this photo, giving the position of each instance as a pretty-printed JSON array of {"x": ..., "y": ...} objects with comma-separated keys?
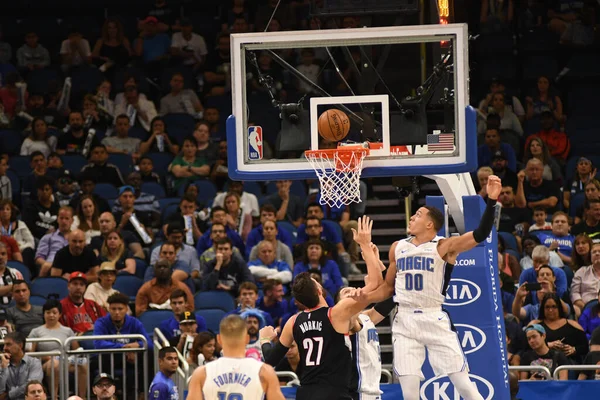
[
  {"x": 92, "y": 353},
  {"x": 527, "y": 368},
  {"x": 388, "y": 376},
  {"x": 293, "y": 378},
  {"x": 590, "y": 367},
  {"x": 183, "y": 371}
]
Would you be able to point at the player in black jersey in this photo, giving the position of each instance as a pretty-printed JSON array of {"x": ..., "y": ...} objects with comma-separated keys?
[{"x": 319, "y": 331}]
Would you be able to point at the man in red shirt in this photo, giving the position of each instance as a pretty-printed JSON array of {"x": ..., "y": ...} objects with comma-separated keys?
[
  {"x": 558, "y": 142},
  {"x": 79, "y": 314},
  {"x": 12, "y": 248}
]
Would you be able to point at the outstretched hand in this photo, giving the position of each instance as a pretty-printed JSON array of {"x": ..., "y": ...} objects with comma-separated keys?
[
  {"x": 494, "y": 187},
  {"x": 362, "y": 235}
]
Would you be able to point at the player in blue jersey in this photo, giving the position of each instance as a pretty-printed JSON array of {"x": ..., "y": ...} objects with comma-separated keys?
[{"x": 162, "y": 386}]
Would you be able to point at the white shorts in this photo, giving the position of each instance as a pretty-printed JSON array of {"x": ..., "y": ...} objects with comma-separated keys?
[
  {"x": 362, "y": 396},
  {"x": 413, "y": 331}
]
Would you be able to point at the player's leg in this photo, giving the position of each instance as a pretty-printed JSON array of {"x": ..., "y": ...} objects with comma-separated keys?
[
  {"x": 409, "y": 354},
  {"x": 465, "y": 387},
  {"x": 410, "y": 386}
]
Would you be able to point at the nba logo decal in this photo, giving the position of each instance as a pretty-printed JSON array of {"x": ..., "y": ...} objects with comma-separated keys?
[{"x": 255, "y": 143}]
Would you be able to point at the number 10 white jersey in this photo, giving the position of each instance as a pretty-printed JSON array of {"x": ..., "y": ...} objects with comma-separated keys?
[
  {"x": 421, "y": 275},
  {"x": 233, "y": 379}
]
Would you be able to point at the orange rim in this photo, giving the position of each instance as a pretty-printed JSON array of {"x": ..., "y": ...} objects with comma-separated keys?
[{"x": 345, "y": 157}]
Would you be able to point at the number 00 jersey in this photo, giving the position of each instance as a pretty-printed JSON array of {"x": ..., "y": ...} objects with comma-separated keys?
[
  {"x": 324, "y": 357},
  {"x": 421, "y": 275},
  {"x": 233, "y": 378}
]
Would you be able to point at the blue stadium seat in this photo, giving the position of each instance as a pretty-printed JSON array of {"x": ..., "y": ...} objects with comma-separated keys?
[
  {"x": 334, "y": 226},
  {"x": 254, "y": 188},
  {"x": 21, "y": 165},
  {"x": 22, "y": 269},
  {"x": 212, "y": 317},
  {"x": 128, "y": 285},
  {"x": 86, "y": 79},
  {"x": 290, "y": 228},
  {"x": 576, "y": 202},
  {"x": 74, "y": 162},
  {"x": 536, "y": 65},
  {"x": 140, "y": 268},
  {"x": 37, "y": 300},
  {"x": 207, "y": 191},
  {"x": 15, "y": 183},
  {"x": 154, "y": 188},
  {"x": 10, "y": 141},
  {"x": 164, "y": 203},
  {"x": 50, "y": 285},
  {"x": 106, "y": 190},
  {"x": 214, "y": 300},
  {"x": 38, "y": 79},
  {"x": 138, "y": 133},
  {"x": 122, "y": 161},
  {"x": 514, "y": 253},
  {"x": 179, "y": 126},
  {"x": 170, "y": 209},
  {"x": 152, "y": 319},
  {"x": 160, "y": 161},
  {"x": 510, "y": 241}
]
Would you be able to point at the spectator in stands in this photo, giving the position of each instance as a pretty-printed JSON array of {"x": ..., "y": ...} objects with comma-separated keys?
[
  {"x": 591, "y": 223},
  {"x": 247, "y": 300},
  {"x": 101, "y": 290},
  {"x": 289, "y": 206},
  {"x": 113, "y": 47},
  {"x": 219, "y": 173},
  {"x": 5, "y": 50},
  {"x": 544, "y": 98},
  {"x": 32, "y": 55},
  {"x": 249, "y": 201},
  {"x": 156, "y": 293},
  {"x": 114, "y": 251},
  {"x": 557, "y": 142},
  {"x": 141, "y": 113},
  {"x": 11, "y": 226},
  {"x": 55, "y": 165},
  {"x": 180, "y": 100},
  {"x": 75, "y": 51},
  {"x": 7, "y": 276},
  {"x": 9, "y": 94},
  {"x": 508, "y": 120},
  {"x": 121, "y": 143},
  {"x": 104, "y": 387},
  {"x": 188, "y": 167},
  {"x": 267, "y": 265},
  {"x": 179, "y": 305},
  {"x": 271, "y": 9},
  {"x": 107, "y": 225},
  {"x": 39, "y": 167},
  {"x": 562, "y": 334},
  {"x": 188, "y": 46},
  {"x": 267, "y": 213},
  {"x": 281, "y": 251},
  {"x": 540, "y": 222},
  {"x": 41, "y": 214},
  {"x": 590, "y": 318},
  {"x": 272, "y": 301},
  {"x": 254, "y": 322},
  {"x": 522, "y": 306},
  {"x": 74, "y": 141},
  {"x": 584, "y": 173},
  {"x": 5, "y": 184},
  {"x": 225, "y": 272},
  {"x": 538, "y": 149},
  {"x": 513, "y": 219},
  {"x": 86, "y": 218},
  {"x": 206, "y": 148},
  {"x": 509, "y": 265},
  {"x": 165, "y": 14},
  {"x": 500, "y": 167},
  {"x": 38, "y": 139},
  {"x": 186, "y": 254},
  {"x": 127, "y": 202},
  {"x": 529, "y": 242},
  {"x": 592, "y": 192},
  {"x": 117, "y": 322},
  {"x": 582, "y": 256},
  {"x": 493, "y": 148},
  {"x": 76, "y": 257},
  {"x": 66, "y": 188},
  {"x": 237, "y": 218},
  {"x": 216, "y": 67},
  {"x": 23, "y": 315},
  {"x": 315, "y": 228},
  {"x": 145, "y": 204},
  {"x": 158, "y": 129},
  {"x": 188, "y": 327},
  {"x": 97, "y": 118},
  {"x": 559, "y": 239},
  {"x": 187, "y": 216},
  {"x": 217, "y": 232},
  {"x": 51, "y": 366},
  {"x": 541, "y": 354},
  {"x": 586, "y": 282},
  {"x": 314, "y": 258},
  {"x": 483, "y": 173},
  {"x": 152, "y": 45},
  {"x": 16, "y": 367},
  {"x": 536, "y": 191},
  {"x": 13, "y": 253},
  {"x": 497, "y": 17},
  {"x": 87, "y": 184},
  {"x": 79, "y": 313},
  {"x": 162, "y": 386},
  {"x": 218, "y": 215},
  {"x": 34, "y": 390},
  {"x": 147, "y": 171},
  {"x": 541, "y": 256},
  {"x": 592, "y": 358},
  {"x": 202, "y": 351}
]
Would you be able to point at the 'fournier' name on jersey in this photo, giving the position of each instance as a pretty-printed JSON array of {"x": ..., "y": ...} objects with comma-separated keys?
[{"x": 420, "y": 275}]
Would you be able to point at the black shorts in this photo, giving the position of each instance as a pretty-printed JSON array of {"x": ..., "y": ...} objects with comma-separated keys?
[{"x": 322, "y": 392}]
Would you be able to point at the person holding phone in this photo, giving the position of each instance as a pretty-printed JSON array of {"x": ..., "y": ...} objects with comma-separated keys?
[
  {"x": 541, "y": 354},
  {"x": 523, "y": 308}
]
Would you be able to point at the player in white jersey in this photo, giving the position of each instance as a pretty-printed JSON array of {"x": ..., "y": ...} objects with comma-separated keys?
[
  {"x": 418, "y": 276},
  {"x": 233, "y": 376}
]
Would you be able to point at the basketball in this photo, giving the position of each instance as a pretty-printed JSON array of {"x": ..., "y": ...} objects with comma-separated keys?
[{"x": 334, "y": 125}]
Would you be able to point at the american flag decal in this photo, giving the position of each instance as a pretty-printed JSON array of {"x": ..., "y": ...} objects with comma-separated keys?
[{"x": 440, "y": 142}]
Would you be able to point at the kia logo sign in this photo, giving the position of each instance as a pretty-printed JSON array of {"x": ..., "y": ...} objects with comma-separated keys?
[
  {"x": 461, "y": 292},
  {"x": 471, "y": 337},
  {"x": 440, "y": 388}
]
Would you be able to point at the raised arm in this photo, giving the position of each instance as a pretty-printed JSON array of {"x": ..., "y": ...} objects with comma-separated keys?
[{"x": 370, "y": 253}]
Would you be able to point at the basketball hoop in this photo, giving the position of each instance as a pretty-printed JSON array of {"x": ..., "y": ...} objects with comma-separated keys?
[{"x": 339, "y": 172}]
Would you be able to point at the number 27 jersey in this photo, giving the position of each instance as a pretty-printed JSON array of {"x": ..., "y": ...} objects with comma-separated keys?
[{"x": 421, "y": 275}]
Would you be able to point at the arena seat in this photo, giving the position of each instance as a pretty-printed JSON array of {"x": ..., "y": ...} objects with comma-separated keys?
[
  {"x": 106, "y": 190},
  {"x": 22, "y": 269},
  {"x": 128, "y": 285},
  {"x": 152, "y": 319},
  {"x": 154, "y": 188},
  {"x": 160, "y": 161},
  {"x": 10, "y": 141},
  {"x": 212, "y": 317},
  {"x": 21, "y": 165},
  {"x": 46, "y": 286},
  {"x": 214, "y": 300}
]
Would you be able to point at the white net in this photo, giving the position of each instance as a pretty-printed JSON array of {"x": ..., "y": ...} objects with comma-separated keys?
[{"x": 339, "y": 174}]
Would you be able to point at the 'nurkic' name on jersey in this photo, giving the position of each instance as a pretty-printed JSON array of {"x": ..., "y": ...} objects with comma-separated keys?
[{"x": 311, "y": 326}]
